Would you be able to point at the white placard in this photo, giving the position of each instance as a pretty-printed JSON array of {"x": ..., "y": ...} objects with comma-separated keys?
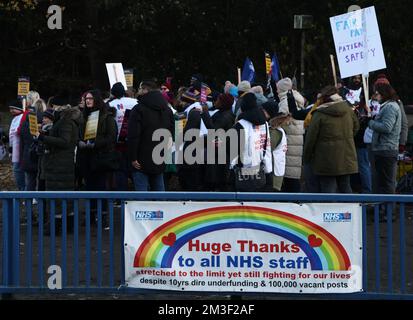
[
  {"x": 358, "y": 43},
  {"x": 116, "y": 74}
]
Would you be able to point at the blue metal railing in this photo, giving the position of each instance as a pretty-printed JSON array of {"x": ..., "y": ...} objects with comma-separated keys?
[{"x": 92, "y": 259}]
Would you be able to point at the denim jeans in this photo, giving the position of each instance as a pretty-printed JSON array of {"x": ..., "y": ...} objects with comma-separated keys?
[
  {"x": 148, "y": 182},
  {"x": 365, "y": 170},
  {"x": 19, "y": 176},
  {"x": 330, "y": 184},
  {"x": 30, "y": 181}
]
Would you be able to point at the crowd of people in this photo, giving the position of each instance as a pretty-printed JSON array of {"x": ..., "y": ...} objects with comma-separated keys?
[{"x": 334, "y": 142}]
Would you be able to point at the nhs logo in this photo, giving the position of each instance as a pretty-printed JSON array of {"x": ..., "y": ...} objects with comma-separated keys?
[
  {"x": 337, "y": 217},
  {"x": 148, "y": 215}
]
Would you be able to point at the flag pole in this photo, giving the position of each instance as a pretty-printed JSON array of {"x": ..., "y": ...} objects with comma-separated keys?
[{"x": 239, "y": 75}]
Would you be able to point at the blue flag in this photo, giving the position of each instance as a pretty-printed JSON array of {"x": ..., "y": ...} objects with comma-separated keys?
[
  {"x": 275, "y": 69},
  {"x": 248, "y": 72}
]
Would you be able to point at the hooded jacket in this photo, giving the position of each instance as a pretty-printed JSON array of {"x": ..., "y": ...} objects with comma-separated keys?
[
  {"x": 59, "y": 163},
  {"x": 329, "y": 145},
  {"x": 152, "y": 113}
]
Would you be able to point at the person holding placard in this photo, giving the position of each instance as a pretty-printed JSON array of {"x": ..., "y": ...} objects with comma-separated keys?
[{"x": 98, "y": 143}]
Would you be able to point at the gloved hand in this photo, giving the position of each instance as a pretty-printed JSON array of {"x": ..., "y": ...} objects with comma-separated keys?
[
  {"x": 82, "y": 145},
  {"x": 90, "y": 145}
]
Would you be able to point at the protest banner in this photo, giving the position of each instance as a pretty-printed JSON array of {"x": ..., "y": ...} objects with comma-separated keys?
[
  {"x": 129, "y": 78},
  {"x": 248, "y": 247},
  {"x": 358, "y": 42},
  {"x": 92, "y": 126},
  {"x": 33, "y": 126},
  {"x": 116, "y": 74},
  {"x": 23, "y": 87}
]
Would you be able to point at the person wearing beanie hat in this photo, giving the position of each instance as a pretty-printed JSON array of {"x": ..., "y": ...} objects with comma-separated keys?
[
  {"x": 381, "y": 78},
  {"x": 271, "y": 109},
  {"x": 16, "y": 105},
  {"x": 253, "y": 150},
  {"x": 244, "y": 87},
  {"x": 329, "y": 146},
  {"x": 16, "y": 109},
  {"x": 49, "y": 113},
  {"x": 284, "y": 85},
  {"x": 118, "y": 90},
  {"x": 295, "y": 135},
  {"x": 122, "y": 107}
]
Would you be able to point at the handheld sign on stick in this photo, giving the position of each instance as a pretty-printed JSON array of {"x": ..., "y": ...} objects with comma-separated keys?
[
  {"x": 116, "y": 74},
  {"x": 34, "y": 129},
  {"x": 333, "y": 66}
]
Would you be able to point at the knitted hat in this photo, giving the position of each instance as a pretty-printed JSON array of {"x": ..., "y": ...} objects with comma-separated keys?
[
  {"x": 381, "y": 79},
  {"x": 118, "y": 90},
  {"x": 16, "y": 104},
  {"x": 244, "y": 86},
  {"x": 284, "y": 85},
  {"x": 233, "y": 91},
  {"x": 249, "y": 102},
  {"x": 272, "y": 108},
  {"x": 49, "y": 113}
]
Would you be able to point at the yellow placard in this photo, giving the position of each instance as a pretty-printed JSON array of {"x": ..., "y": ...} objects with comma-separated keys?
[
  {"x": 268, "y": 63},
  {"x": 92, "y": 126},
  {"x": 129, "y": 78},
  {"x": 34, "y": 128},
  {"x": 23, "y": 88}
]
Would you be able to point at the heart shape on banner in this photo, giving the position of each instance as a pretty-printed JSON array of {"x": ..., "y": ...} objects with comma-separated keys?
[
  {"x": 314, "y": 241},
  {"x": 169, "y": 240}
]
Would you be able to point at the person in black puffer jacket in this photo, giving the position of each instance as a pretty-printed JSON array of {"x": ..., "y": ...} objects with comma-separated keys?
[{"x": 151, "y": 114}]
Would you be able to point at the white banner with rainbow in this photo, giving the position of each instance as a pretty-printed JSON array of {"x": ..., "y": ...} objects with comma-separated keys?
[{"x": 244, "y": 247}]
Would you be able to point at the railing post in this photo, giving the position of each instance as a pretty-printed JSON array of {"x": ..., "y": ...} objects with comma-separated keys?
[{"x": 9, "y": 263}]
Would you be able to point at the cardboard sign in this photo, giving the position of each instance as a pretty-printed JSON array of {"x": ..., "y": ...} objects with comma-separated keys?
[
  {"x": 116, "y": 74},
  {"x": 92, "y": 126},
  {"x": 129, "y": 77},
  {"x": 23, "y": 86},
  {"x": 268, "y": 63},
  {"x": 34, "y": 128},
  {"x": 358, "y": 43}
]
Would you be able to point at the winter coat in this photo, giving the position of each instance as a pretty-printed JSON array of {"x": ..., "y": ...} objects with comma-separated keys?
[
  {"x": 28, "y": 157},
  {"x": 59, "y": 163},
  {"x": 329, "y": 145},
  {"x": 104, "y": 142},
  {"x": 283, "y": 105},
  {"x": 404, "y": 126},
  {"x": 217, "y": 174},
  {"x": 152, "y": 113},
  {"x": 295, "y": 136},
  {"x": 386, "y": 128}
]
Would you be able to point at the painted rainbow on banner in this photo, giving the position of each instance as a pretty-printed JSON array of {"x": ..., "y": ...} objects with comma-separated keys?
[{"x": 329, "y": 256}]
